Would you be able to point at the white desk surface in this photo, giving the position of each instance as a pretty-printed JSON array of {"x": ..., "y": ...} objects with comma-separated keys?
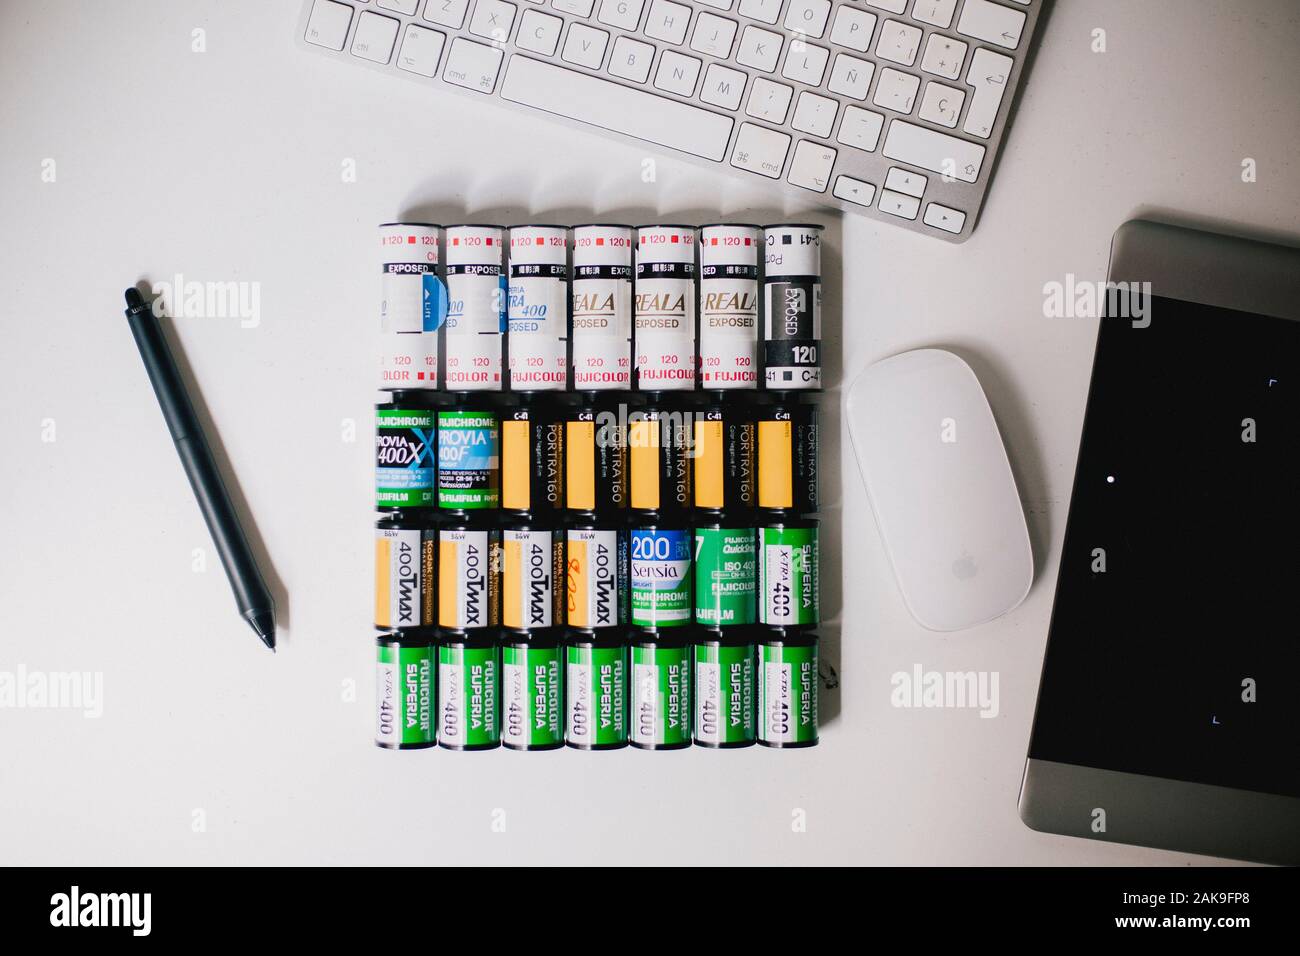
[{"x": 226, "y": 166}]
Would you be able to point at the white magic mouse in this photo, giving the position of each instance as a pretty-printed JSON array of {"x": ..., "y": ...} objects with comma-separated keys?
[{"x": 941, "y": 489}]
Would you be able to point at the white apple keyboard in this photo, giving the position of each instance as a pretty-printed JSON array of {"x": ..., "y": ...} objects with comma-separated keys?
[
  {"x": 890, "y": 108},
  {"x": 941, "y": 489}
]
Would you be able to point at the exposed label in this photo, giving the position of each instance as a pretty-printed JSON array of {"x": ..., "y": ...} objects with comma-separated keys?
[
  {"x": 468, "y": 577},
  {"x": 530, "y": 705},
  {"x": 661, "y": 578},
  {"x": 602, "y": 327},
  {"x": 403, "y": 578},
  {"x": 408, "y": 351},
  {"x": 789, "y": 588},
  {"x": 726, "y": 576},
  {"x": 793, "y": 333},
  {"x": 787, "y": 694},
  {"x": 404, "y": 695},
  {"x": 467, "y": 694},
  {"x": 469, "y": 460},
  {"x": 476, "y": 319},
  {"x": 665, "y": 325},
  {"x": 724, "y": 694},
  {"x": 403, "y": 458},
  {"x": 661, "y": 695},
  {"x": 529, "y": 582},
  {"x": 596, "y": 701},
  {"x": 595, "y": 564},
  {"x": 729, "y": 326}
]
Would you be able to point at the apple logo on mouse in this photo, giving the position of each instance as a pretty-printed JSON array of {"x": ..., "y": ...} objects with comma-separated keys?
[{"x": 965, "y": 567}]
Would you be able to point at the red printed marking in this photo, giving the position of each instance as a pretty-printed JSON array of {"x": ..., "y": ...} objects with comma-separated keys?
[{"x": 410, "y": 240}]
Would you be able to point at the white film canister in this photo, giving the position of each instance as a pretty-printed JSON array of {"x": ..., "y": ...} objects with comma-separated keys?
[
  {"x": 665, "y": 308},
  {"x": 792, "y": 306},
  {"x": 408, "y": 341},
  {"x": 476, "y": 307},
  {"x": 602, "y": 307},
  {"x": 537, "y": 308},
  {"x": 729, "y": 305}
]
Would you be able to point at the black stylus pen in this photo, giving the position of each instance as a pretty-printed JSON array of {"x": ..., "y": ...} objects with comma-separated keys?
[{"x": 251, "y": 595}]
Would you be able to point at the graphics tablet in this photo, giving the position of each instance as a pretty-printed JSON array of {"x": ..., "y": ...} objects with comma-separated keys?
[{"x": 1169, "y": 708}]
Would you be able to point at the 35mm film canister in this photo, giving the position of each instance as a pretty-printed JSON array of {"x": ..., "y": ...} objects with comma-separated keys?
[
  {"x": 596, "y": 459},
  {"x": 792, "y": 316},
  {"x": 789, "y": 583},
  {"x": 725, "y": 465},
  {"x": 532, "y": 692},
  {"x": 468, "y": 688},
  {"x": 469, "y": 459},
  {"x": 537, "y": 311},
  {"x": 476, "y": 307},
  {"x": 596, "y": 576},
  {"x": 532, "y": 457},
  {"x": 405, "y": 575},
  {"x": 659, "y": 449},
  {"x": 724, "y": 688},
  {"x": 660, "y": 713},
  {"x": 532, "y": 579},
  {"x": 469, "y": 575},
  {"x": 404, "y": 692},
  {"x": 602, "y": 307},
  {"x": 660, "y": 572},
  {"x": 595, "y": 683},
  {"x": 413, "y": 305},
  {"x": 665, "y": 308},
  {"x": 726, "y": 572},
  {"x": 787, "y": 458},
  {"x": 404, "y": 462},
  {"x": 787, "y": 688},
  {"x": 729, "y": 256}
]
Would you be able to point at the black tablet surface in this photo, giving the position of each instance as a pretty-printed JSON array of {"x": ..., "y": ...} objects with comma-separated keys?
[{"x": 1169, "y": 708}]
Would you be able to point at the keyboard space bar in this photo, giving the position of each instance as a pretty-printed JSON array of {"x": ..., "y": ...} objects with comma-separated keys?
[{"x": 621, "y": 109}]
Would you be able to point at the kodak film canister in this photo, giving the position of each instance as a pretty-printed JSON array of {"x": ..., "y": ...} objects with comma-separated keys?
[
  {"x": 792, "y": 307},
  {"x": 469, "y": 576},
  {"x": 789, "y": 586},
  {"x": 664, "y": 309},
  {"x": 787, "y": 457},
  {"x": 596, "y": 576},
  {"x": 404, "y": 463},
  {"x": 729, "y": 257},
  {"x": 413, "y": 305},
  {"x": 596, "y": 458},
  {"x": 660, "y": 717},
  {"x": 476, "y": 308},
  {"x": 532, "y": 457},
  {"x": 787, "y": 688},
  {"x": 404, "y": 692},
  {"x": 532, "y": 688},
  {"x": 725, "y": 462},
  {"x": 468, "y": 705},
  {"x": 537, "y": 308},
  {"x": 724, "y": 688},
  {"x": 405, "y": 579},
  {"x": 661, "y": 579},
  {"x": 602, "y": 307},
  {"x": 595, "y": 685},
  {"x": 469, "y": 459},
  {"x": 726, "y": 573},
  {"x": 659, "y": 449},
  {"x": 532, "y": 578}
]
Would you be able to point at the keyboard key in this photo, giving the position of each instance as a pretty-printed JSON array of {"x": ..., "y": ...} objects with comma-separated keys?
[
  {"x": 723, "y": 87},
  {"x": 492, "y": 20},
  {"x": 579, "y": 8},
  {"x": 860, "y": 128},
  {"x": 450, "y": 13},
  {"x": 898, "y": 204},
  {"x": 717, "y": 4},
  {"x": 943, "y": 56},
  {"x": 539, "y": 32},
  {"x": 896, "y": 91},
  {"x": 420, "y": 51},
  {"x": 621, "y": 109},
  {"x": 759, "y": 49},
  {"x": 811, "y": 166},
  {"x": 906, "y": 182},
  {"x": 991, "y": 22},
  {"x": 624, "y": 14},
  {"x": 472, "y": 65},
  {"x": 988, "y": 74},
  {"x": 814, "y": 114},
  {"x": 767, "y": 11},
  {"x": 806, "y": 63},
  {"x": 932, "y": 150},
  {"x": 375, "y": 37},
  {"x": 584, "y": 46},
  {"x": 807, "y": 16},
  {"x": 769, "y": 101},
  {"x": 853, "y": 28},
  {"x": 399, "y": 6},
  {"x": 677, "y": 73},
  {"x": 631, "y": 59},
  {"x": 935, "y": 12},
  {"x": 893, "y": 6},
  {"x": 328, "y": 24},
  {"x": 854, "y": 190},
  {"x": 713, "y": 35},
  {"x": 760, "y": 150},
  {"x": 945, "y": 218},
  {"x": 850, "y": 76},
  {"x": 667, "y": 21},
  {"x": 941, "y": 105},
  {"x": 898, "y": 43}
]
